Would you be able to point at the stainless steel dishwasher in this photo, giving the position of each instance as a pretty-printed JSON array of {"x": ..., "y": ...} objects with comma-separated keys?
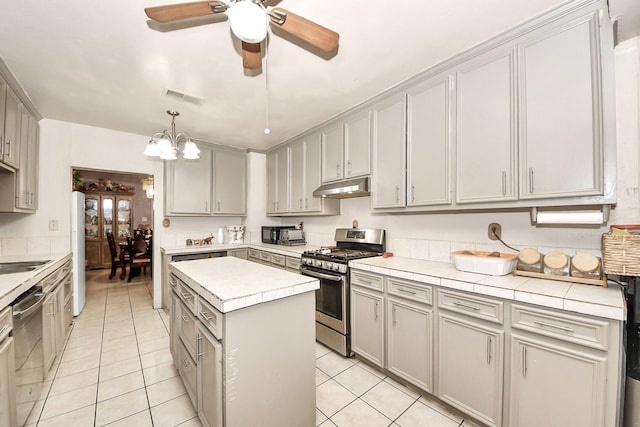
[{"x": 29, "y": 357}]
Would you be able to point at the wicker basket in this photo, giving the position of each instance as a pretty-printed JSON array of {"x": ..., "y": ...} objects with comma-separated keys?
[{"x": 621, "y": 254}]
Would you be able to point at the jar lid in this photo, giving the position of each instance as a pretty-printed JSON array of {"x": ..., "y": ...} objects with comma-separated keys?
[
  {"x": 556, "y": 260},
  {"x": 585, "y": 262},
  {"x": 529, "y": 256}
]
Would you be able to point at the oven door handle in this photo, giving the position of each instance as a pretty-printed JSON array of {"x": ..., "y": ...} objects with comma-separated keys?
[{"x": 319, "y": 275}]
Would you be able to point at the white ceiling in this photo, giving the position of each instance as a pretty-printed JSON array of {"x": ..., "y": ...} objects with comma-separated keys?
[{"x": 102, "y": 63}]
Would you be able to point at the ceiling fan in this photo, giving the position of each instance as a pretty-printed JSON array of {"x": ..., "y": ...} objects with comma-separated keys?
[{"x": 249, "y": 21}]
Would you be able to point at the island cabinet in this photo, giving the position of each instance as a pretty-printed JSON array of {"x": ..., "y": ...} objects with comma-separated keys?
[
  {"x": 7, "y": 369},
  {"x": 237, "y": 341},
  {"x": 214, "y": 184}
]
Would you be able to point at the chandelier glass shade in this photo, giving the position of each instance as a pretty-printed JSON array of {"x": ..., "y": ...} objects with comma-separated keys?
[{"x": 165, "y": 144}]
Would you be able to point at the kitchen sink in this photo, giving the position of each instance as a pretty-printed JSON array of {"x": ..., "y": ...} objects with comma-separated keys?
[{"x": 20, "y": 266}]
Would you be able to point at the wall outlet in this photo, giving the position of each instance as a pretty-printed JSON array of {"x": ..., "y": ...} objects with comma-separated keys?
[
  {"x": 53, "y": 225},
  {"x": 495, "y": 231}
]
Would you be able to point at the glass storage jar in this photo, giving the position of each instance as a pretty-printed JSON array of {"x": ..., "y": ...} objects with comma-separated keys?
[
  {"x": 529, "y": 259},
  {"x": 556, "y": 263},
  {"x": 586, "y": 266}
]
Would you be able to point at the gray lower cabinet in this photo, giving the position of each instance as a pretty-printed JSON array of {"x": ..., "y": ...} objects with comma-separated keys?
[
  {"x": 501, "y": 362},
  {"x": 470, "y": 367},
  {"x": 410, "y": 325},
  {"x": 239, "y": 253},
  {"x": 209, "y": 375},
  {"x": 7, "y": 370}
]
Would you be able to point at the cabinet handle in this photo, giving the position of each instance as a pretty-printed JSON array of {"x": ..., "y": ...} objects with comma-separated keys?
[
  {"x": 1, "y": 145},
  {"x": 4, "y": 328},
  {"x": 185, "y": 296},
  {"x": 185, "y": 319},
  {"x": 504, "y": 183},
  {"x": 199, "y": 347},
  {"x": 300, "y": 203},
  {"x": 489, "y": 350},
  {"x": 337, "y": 170},
  {"x": 375, "y": 310},
  {"x": 349, "y": 167},
  {"x": 274, "y": 206},
  {"x": 185, "y": 362},
  {"x": 524, "y": 361},
  {"x": 531, "y": 180},
  {"x": 397, "y": 194},
  {"x": 551, "y": 325},
  {"x": 461, "y": 304},
  {"x": 393, "y": 312},
  {"x": 205, "y": 317},
  {"x": 413, "y": 192},
  {"x": 218, "y": 206},
  {"x": 306, "y": 203},
  {"x": 407, "y": 291},
  {"x": 206, "y": 206},
  {"x": 53, "y": 307},
  {"x": 9, "y": 146},
  {"x": 173, "y": 311}
]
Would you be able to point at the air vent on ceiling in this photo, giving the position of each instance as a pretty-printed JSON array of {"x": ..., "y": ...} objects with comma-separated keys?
[{"x": 181, "y": 96}]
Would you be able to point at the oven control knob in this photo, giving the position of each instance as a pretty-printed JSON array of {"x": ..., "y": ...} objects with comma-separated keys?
[
  {"x": 336, "y": 267},
  {"x": 318, "y": 263}
]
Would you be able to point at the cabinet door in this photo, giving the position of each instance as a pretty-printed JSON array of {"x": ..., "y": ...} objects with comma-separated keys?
[
  {"x": 189, "y": 185},
  {"x": 388, "y": 165},
  {"x": 357, "y": 144},
  {"x": 272, "y": 181},
  {"x": 11, "y": 142},
  {"x": 60, "y": 319},
  {"x": 486, "y": 130},
  {"x": 93, "y": 253},
  {"x": 561, "y": 118},
  {"x": 297, "y": 162},
  {"x": 209, "y": 379},
  {"x": 49, "y": 331},
  {"x": 429, "y": 137},
  {"x": 332, "y": 152},
  {"x": 7, "y": 383},
  {"x": 312, "y": 172},
  {"x": 367, "y": 325},
  {"x": 107, "y": 207},
  {"x": 124, "y": 216},
  {"x": 26, "y": 191},
  {"x": 230, "y": 183},
  {"x": 470, "y": 367},
  {"x": 282, "y": 191},
  {"x": 174, "y": 315},
  {"x": 410, "y": 343},
  {"x": 578, "y": 377}
]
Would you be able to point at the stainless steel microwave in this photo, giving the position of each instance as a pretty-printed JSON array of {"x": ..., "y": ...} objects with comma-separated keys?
[{"x": 271, "y": 234}]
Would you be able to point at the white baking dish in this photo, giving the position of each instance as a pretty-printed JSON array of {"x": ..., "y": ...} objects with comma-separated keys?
[{"x": 482, "y": 262}]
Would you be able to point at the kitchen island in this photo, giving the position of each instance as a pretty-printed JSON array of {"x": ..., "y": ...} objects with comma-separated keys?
[{"x": 243, "y": 340}]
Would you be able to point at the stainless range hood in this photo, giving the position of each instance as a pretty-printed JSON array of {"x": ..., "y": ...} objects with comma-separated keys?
[{"x": 358, "y": 187}]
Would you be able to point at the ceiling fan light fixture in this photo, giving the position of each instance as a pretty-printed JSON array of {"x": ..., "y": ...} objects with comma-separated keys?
[{"x": 249, "y": 21}]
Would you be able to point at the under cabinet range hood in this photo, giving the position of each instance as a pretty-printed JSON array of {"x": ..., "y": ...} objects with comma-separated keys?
[{"x": 357, "y": 187}]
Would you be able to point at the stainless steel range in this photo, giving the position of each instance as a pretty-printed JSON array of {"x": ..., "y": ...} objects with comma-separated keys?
[{"x": 331, "y": 266}]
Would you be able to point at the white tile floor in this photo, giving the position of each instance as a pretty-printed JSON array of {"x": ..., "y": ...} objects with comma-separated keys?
[{"x": 116, "y": 370}]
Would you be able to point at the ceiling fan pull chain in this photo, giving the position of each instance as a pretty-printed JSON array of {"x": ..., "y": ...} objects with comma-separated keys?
[{"x": 266, "y": 84}]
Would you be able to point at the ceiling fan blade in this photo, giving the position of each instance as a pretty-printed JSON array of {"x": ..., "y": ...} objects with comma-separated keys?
[
  {"x": 314, "y": 34},
  {"x": 176, "y": 12},
  {"x": 251, "y": 56}
]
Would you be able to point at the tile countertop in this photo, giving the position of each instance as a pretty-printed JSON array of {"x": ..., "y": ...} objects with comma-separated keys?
[
  {"x": 295, "y": 251},
  {"x": 230, "y": 283},
  {"x": 579, "y": 298},
  {"x": 13, "y": 285}
]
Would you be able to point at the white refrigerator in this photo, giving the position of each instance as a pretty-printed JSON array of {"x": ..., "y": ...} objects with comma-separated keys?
[{"x": 77, "y": 247}]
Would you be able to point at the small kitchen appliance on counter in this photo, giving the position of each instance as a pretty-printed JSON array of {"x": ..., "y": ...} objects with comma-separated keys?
[
  {"x": 331, "y": 267},
  {"x": 292, "y": 238},
  {"x": 271, "y": 233}
]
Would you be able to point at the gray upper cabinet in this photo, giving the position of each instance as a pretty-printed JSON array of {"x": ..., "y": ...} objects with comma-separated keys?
[
  {"x": 215, "y": 184},
  {"x": 429, "y": 139},
  {"x": 27, "y": 184},
  {"x": 189, "y": 184},
  {"x": 346, "y": 146},
  {"x": 230, "y": 182},
  {"x": 332, "y": 152},
  {"x": 293, "y": 174},
  {"x": 388, "y": 178},
  {"x": 486, "y": 129},
  {"x": 561, "y": 136},
  {"x": 10, "y": 137}
]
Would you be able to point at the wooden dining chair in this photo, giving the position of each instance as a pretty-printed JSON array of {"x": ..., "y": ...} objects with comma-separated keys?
[{"x": 139, "y": 255}]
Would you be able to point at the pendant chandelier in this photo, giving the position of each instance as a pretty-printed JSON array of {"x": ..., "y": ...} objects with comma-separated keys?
[{"x": 165, "y": 144}]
